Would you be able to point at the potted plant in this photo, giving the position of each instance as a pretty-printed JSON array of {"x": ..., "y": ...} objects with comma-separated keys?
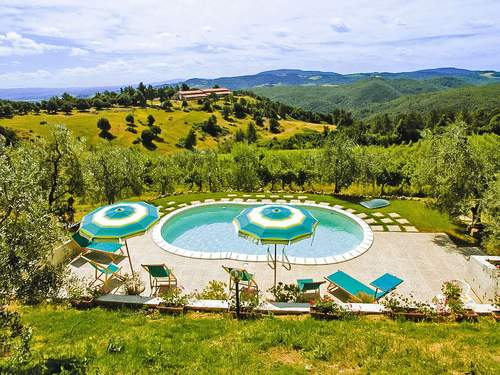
[
  {"x": 406, "y": 307},
  {"x": 285, "y": 292},
  {"x": 133, "y": 284},
  {"x": 249, "y": 301},
  {"x": 327, "y": 309},
  {"x": 173, "y": 301},
  {"x": 453, "y": 300},
  {"x": 215, "y": 290},
  {"x": 78, "y": 293}
]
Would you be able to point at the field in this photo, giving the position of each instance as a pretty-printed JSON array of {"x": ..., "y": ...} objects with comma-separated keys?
[
  {"x": 174, "y": 125},
  {"x": 200, "y": 343}
]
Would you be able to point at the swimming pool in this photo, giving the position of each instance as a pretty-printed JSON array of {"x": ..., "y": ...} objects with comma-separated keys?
[{"x": 206, "y": 231}]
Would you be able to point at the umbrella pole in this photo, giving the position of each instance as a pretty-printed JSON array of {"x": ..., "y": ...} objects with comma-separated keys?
[
  {"x": 275, "y": 254},
  {"x": 128, "y": 255}
]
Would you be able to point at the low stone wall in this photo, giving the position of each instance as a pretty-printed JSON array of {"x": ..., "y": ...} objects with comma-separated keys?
[{"x": 485, "y": 277}]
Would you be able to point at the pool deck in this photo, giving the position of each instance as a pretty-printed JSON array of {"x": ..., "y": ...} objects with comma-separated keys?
[{"x": 423, "y": 260}]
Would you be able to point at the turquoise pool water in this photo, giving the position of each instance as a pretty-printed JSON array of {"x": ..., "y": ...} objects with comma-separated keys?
[{"x": 210, "y": 229}]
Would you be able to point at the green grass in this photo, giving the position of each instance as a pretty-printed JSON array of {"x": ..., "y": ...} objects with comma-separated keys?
[
  {"x": 174, "y": 125},
  {"x": 195, "y": 343}
]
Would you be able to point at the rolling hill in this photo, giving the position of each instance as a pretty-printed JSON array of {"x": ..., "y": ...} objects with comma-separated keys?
[
  {"x": 376, "y": 95},
  {"x": 174, "y": 125}
]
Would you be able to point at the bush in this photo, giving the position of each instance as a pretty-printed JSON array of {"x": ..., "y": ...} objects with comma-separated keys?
[
  {"x": 132, "y": 130},
  {"x": 147, "y": 137},
  {"x": 214, "y": 290},
  {"x": 453, "y": 297},
  {"x": 285, "y": 292},
  {"x": 173, "y": 297},
  {"x": 130, "y": 118}
]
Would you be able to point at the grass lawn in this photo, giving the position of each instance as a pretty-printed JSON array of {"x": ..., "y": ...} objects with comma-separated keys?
[
  {"x": 174, "y": 125},
  {"x": 202, "y": 343}
]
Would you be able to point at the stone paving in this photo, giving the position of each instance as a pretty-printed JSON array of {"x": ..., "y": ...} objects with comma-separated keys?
[{"x": 423, "y": 260}]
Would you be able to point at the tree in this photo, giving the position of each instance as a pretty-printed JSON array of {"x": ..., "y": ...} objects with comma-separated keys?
[
  {"x": 104, "y": 125},
  {"x": 210, "y": 126},
  {"x": 151, "y": 120},
  {"x": 61, "y": 163},
  {"x": 28, "y": 229},
  {"x": 150, "y": 93},
  {"x": 274, "y": 126},
  {"x": 185, "y": 104},
  {"x": 239, "y": 135},
  {"x": 245, "y": 167},
  {"x": 239, "y": 110},
  {"x": 66, "y": 107},
  {"x": 82, "y": 105},
  {"x": 147, "y": 137},
  {"x": 130, "y": 118},
  {"x": 453, "y": 172},
  {"x": 166, "y": 173},
  {"x": 338, "y": 161},
  {"x": 110, "y": 170},
  {"x": 52, "y": 105},
  {"x": 98, "y": 104},
  {"x": 190, "y": 141},
  {"x": 166, "y": 105},
  {"x": 251, "y": 132}
]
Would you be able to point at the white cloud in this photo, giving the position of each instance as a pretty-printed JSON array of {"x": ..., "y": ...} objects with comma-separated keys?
[
  {"x": 75, "y": 51},
  {"x": 14, "y": 44},
  {"x": 338, "y": 25},
  {"x": 94, "y": 42}
]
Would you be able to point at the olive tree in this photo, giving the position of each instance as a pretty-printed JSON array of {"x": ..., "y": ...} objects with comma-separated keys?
[{"x": 28, "y": 229}]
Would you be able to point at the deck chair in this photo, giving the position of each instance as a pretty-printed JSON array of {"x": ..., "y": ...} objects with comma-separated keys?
[
  {"x": 159, "y": 275},
  {"x": 309, "y": 289},
  {"x": 110, "y": 249},
  {"x": 104, "y": 273},
  {"x": 383, "y": 285},
  {"x": 247, "y": 281}
]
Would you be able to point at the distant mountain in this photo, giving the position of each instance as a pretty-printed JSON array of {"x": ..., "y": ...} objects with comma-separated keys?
[
  {"x": 357, "y": 97},
  {"x": 294, "y": 77},
  {"x": 377, "y": 95}
]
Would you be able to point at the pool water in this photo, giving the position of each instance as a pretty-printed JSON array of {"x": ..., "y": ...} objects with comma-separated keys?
[{"x": 209, "y": 228}]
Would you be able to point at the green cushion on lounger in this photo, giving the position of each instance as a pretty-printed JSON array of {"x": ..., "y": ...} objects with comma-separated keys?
[
  {"x": 105, "y": 247},
  {"x": 158, "y": 271},
  {"x": 306, "y": 285},
  {"x": 109, "y": 268},
  {"x": 386, "y": 283},
  {"x": 349, "y": 284}
]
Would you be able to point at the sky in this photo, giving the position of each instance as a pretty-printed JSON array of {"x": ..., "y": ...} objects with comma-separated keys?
[{"x": 63, "y": 43}]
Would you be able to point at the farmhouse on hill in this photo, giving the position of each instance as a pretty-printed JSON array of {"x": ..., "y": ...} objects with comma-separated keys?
[{"x": 201, "y": 93}]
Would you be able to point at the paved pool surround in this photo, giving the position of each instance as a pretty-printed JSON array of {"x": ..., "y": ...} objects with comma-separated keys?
[{"x": 364, "y": 245}]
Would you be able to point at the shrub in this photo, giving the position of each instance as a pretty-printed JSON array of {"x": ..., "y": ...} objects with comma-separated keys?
[
  {"x": 285, "y": 292},
  {"x": 130, "y": 118},
  {"x": 249, "y": 301},
  {"x": 147, "y": 137},
  {"x": 453, "y": 293},
  {"x": 132, "y": 130},
  {"x": 173, "y": 297},
  {"x": 214, "y": 290}
]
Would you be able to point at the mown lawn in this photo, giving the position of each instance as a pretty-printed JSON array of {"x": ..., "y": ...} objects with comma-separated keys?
[{"x": 203, "y": 343}]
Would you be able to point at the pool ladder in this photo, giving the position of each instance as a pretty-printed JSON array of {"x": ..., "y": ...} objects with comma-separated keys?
[{"x": 285, "y": 262}]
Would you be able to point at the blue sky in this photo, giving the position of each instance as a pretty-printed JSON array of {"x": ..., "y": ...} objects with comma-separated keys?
[{"x": 62, "y": 43}]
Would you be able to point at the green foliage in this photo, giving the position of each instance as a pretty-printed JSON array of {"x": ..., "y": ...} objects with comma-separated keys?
[
  {"x": 174, "y": 297},
  {"x": 274, "y": 126},
  {"x": 338, "y": 161},
  {"x": 214, "y": 290},
  {"x": 151, "y": 120},
  {"x": 453, "y": 293},
  {"x": 28, "y": 228},
  {"x": 190, "y": 141},
  {"x": 285, "y": 292}
]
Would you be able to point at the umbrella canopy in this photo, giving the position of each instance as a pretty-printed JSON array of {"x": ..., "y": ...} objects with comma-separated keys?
[
  {"x": 118, "y": 221},
  {"x": 275, "y": 224},
  {"x": 109, "y": 247}
]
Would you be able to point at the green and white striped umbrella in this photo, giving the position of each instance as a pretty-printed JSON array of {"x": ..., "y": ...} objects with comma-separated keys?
[
  {"x": 118, "y": 221},
  {"x": 275, "y": 224}
]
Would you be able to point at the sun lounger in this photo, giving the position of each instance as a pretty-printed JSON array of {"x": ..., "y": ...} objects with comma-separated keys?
[
  {"x": 159, "y": 275},
  {"x": 247, "y": 280},
  {"x": 309, "y": 289},
  {"x": 383, "y": 285},
  {"x": 110, "y": 249},
  {"x": 104, "y": 272}
]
